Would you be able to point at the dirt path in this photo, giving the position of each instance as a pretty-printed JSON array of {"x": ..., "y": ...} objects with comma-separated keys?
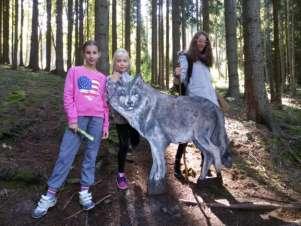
[{"x": 27, "y": 160}]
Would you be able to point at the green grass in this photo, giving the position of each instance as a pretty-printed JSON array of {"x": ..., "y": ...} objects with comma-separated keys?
[{"x": 22, "y": 93}]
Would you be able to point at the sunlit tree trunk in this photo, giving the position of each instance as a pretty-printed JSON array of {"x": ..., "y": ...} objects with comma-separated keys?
[
  {"x": 231, "y": 47},
  {"x": 257, "y": 105}
]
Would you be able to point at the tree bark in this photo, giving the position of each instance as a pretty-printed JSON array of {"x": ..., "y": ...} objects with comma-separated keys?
[
  {"x": 276, "y": 100},
  {"x": 70, "y": 17},
  {"x": 59, "y": 61},
  {"x": 183, "y": 23},
  {"x": 81, "y": 30},
  {"x": 257, "y": 105},
  {"x": 77, "y": 50},
  {"x": 154, "y": 42},
  {"x": 48, "y": 36},
  {"x": 176, "y": 22},
  {"x": 16, "y": 36},
  {"x": 114, "y": 27},
  {"x": 167, "y": 45},
  {"x": 268, "y": 47},
  {"x": 21, "y": 63},
  {"x": 161, "y": 46},
  {"x": 138, "y": 38},
  {"x": 127, "y": 28},
  {"x": 205, "y": 11},
  {"x": 1, "y": 31},
  {"x": 6, "y": 32},
  {"x": 101, "y": 33},
  {"x": 231, "y": 47},
  {"x": 34, "y": 46}
]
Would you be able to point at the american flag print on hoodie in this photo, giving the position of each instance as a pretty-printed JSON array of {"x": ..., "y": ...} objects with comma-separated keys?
[{"x": 88, "y": 87}]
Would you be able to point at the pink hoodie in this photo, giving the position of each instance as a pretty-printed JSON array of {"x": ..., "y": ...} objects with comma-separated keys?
[{"x": 85, "y": 95}]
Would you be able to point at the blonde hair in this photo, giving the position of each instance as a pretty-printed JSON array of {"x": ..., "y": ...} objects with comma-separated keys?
[{"x": 120, "y": 52}]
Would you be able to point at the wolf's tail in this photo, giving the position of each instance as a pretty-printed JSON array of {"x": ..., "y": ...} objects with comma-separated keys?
[{"x": 221, "y": 140}]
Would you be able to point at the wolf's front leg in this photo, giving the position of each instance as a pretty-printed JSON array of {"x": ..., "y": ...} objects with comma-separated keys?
[{"x": 157, "y": 182}]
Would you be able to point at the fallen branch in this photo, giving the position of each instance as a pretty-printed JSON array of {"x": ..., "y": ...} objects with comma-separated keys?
[
  {"x": 69, "y": 200},
  {"x": 244, "y": 206},
  {"x": 98, "y": 202}
]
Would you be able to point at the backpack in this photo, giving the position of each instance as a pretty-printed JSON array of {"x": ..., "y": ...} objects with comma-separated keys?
[{"x": 189, "y": 73}]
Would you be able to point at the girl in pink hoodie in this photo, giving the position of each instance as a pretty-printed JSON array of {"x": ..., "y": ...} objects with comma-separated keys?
[{"x": 86, "y": 109}]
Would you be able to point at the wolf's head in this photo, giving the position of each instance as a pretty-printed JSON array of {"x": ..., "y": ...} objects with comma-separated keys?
[{"x": 126, "y": 97}]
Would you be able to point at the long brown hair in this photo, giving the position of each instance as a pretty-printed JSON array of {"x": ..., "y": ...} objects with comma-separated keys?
[{"x": 206, "y": 55}]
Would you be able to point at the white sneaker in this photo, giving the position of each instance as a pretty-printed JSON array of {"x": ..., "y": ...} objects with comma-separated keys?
[
  {"x": 85, "y": 199},
  {"x": 43, "y": 205}
]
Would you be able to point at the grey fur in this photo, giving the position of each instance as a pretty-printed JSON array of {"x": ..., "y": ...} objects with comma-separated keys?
[{"x": 163, "y": 119}]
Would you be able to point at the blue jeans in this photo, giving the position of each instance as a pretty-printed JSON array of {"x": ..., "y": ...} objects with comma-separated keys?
[{"x": 69, "y": 148}]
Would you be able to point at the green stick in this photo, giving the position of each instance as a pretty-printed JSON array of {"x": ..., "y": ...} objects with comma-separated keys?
[{"x": 85, "y": 134}]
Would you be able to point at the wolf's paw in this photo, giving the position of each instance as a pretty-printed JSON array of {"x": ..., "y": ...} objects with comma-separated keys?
[{"x": 156, "y": 187}]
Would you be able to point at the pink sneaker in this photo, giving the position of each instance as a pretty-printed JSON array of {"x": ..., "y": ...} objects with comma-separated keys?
[{"x": 121, "y": 182}]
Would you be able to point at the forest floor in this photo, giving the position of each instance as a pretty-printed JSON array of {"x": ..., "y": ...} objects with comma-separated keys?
[{"x": 266, "y": 171}]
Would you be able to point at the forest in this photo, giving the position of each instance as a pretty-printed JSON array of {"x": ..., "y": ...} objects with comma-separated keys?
[{"x": 256, "y": 72}]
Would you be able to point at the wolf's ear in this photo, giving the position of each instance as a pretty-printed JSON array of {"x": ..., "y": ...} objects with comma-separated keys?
[{"x": 138, "y": 80}]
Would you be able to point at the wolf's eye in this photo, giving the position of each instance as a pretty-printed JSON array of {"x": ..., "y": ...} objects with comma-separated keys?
[{"x": 121, "y": 93}]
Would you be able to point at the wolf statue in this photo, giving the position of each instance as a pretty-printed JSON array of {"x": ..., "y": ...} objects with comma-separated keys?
[{"x": 163, "y": 119}]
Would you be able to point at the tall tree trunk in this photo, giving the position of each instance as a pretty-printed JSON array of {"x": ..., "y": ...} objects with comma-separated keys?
[
  {"x": 154, "y": 42},
  {"x": 81, "y": 30},
  {"x": 176, "y": 22},
  {"x": 21, "y": 63},
  {"x": 34, "y": 46},
  {"x": 183, "y": 12},
  {"x": 48, "y": 35},
  {"x": 16, "y": 36},
  {"x": 257, "y": 105},
  {"x": 59, "y": 60},
  {"x": 197, "y": 15},
  {"x": 231, "y": 47},
  {"x": 138, "y": 38},
  {"x": 101, "y": 33},
  {"x": 6, "y": 32},
  {"x": 1, "y": 31},
  {"x": 293, "y": 87},
  {"x": 205, "y": 10},
  {"x": 161, "y": 46},
  {"x": 114, "y": 27},
  {"x": 12, "y": 14},
  {"x": 76, "y": 27},
  {"x": 167, "y": 45},
  {"x": 87, "y": 20},
  {"x": 70, "y": 30},
  {"x": 127, "y": 18},
  {"x": 268, "y": 46},
  {"x": 276, "y": 100}
]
